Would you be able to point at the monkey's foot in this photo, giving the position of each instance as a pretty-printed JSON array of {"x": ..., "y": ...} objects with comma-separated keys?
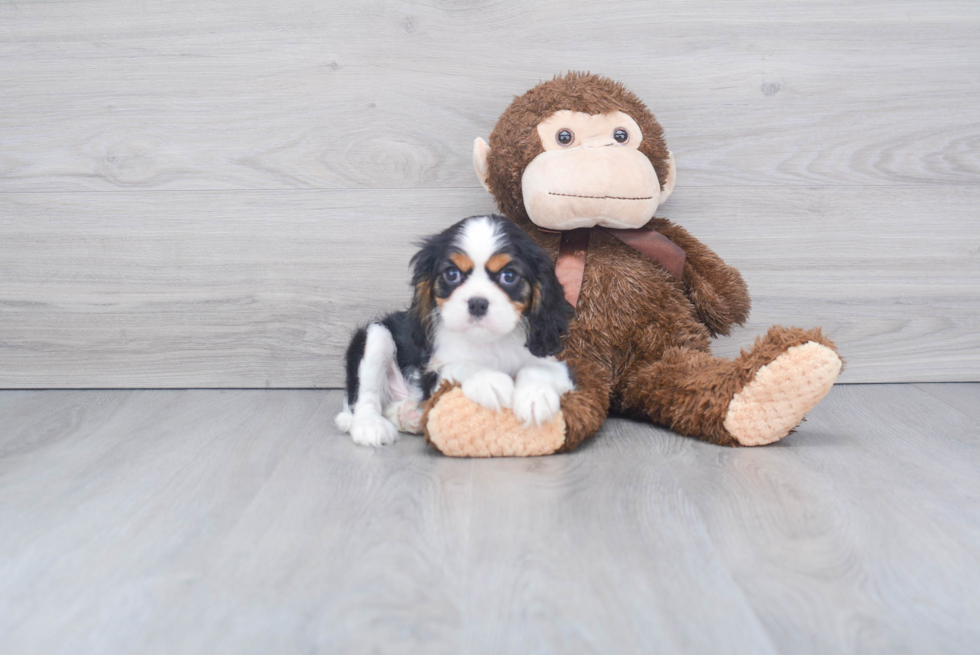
[
  {"x": 781, "y": 393},
  {"x": 458, "y": 427}
]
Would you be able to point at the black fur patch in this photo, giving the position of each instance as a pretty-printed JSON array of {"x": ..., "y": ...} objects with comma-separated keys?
[
  {"x": 355, "y": 353},
  {"x": 521, "y": 291},
  {"x": 408, "y": 353}
]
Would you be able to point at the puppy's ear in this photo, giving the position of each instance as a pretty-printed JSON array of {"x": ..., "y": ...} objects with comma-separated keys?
[
  {"x": 423, "y": 284},
  {"x": 422, "y": 303},
  {"x": 548, "y": 313}
]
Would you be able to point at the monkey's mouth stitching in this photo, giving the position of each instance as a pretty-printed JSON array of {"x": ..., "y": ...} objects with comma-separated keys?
[{"x": 573, "y": 195}]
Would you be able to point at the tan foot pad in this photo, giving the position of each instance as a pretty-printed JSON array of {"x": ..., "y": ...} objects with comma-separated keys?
[
  {"x": 458, "y": 427},
  {"x": 781, "y": 393}
]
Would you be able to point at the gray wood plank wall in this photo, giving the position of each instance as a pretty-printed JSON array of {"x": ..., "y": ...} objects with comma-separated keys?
[{"x": 214, "y": 194}]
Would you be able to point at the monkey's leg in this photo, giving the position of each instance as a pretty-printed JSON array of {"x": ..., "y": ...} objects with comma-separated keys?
[
  {"x": 456, "y": 426},
  {"x": 585, "y": 409},
  {"x": 755, "y": 399}
]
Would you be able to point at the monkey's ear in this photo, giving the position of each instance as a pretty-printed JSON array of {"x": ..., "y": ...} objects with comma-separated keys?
[
  {"x": 480, "y": 151},
  {"x": 671, "y": 178}
]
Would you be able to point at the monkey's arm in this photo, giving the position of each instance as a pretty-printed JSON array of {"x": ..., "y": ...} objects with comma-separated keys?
[{"x": 716, "y": 289}]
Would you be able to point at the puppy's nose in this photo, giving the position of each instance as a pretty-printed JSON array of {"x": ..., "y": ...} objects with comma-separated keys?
[{"x": 478, "y": 306}]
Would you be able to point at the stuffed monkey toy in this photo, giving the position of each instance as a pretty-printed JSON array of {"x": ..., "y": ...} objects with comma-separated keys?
[{"x": 581, "y": 165}]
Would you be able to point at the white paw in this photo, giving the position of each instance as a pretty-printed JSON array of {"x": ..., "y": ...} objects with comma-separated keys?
[
  {"x": 536, "y": 404},
  {"x": 373, "y": 430},
  {"x": 490, "y": 389},
  {"x": 343, "y": 420}
]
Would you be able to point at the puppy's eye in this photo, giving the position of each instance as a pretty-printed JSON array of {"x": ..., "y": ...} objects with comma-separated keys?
[
  {"x": 452, "y": 275},
  {"x": 564, "y": 136},
  {"x": 621, "y": 135},
  {"x": 509, "y": 277}
]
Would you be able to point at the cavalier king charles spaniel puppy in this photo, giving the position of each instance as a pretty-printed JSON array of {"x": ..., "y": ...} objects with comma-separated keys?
[{"x": 488, "y": 313}]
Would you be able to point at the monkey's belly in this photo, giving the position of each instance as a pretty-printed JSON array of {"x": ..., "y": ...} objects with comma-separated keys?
[{"x": 637, "y": 307}]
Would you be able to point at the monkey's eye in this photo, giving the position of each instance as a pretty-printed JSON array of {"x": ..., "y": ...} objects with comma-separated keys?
[
  {"x": 564, "y": 137},
  {"x": 621, "y": 135},
  {"x": 509, "y": 277},
  {"x": 452, "y": 275}
]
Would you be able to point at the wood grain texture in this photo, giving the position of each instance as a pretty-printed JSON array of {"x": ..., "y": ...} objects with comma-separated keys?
[
  {"x": 834, "y": 560},
  {"x": 300, "y": 94},
  {"x": 204, "y": 194},
  {"x": 205, "y": 289},
  {"x": 243, "y": 522},
  {"x": 963, "y": 397},
  {"x": 252, "y": 289}
]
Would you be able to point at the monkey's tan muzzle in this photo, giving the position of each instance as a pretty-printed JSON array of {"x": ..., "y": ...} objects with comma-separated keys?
[{"x": 589, "y": 186}]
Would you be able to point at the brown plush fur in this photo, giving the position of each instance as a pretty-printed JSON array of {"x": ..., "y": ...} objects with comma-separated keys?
[
  {"x": 639, "y": 342},
  {"x": 631, "y": 312},
  {"x": 514, "y": 142},
  {"x": 690, "y": 390}
]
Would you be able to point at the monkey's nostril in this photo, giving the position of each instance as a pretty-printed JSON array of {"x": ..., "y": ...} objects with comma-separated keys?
[{"x": 478, "y": 306}]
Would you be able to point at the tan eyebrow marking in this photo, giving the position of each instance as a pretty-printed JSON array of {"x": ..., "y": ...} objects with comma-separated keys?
[
  {"x": 498, "y": 261},
  {"x": 462, "y": 261}
]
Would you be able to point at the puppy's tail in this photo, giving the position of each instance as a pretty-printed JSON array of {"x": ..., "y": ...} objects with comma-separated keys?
[{"x": 344, "y": 419}]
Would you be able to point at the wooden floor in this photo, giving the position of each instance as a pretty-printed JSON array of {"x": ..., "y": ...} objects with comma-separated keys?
[{"x": 230, "y": 521}]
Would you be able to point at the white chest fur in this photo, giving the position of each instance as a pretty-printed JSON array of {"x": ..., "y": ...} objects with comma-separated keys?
[{"x": 506, "y": 354}]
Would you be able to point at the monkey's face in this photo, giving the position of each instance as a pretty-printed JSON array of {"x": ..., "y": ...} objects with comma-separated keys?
[{"x": 590, "y": 173}]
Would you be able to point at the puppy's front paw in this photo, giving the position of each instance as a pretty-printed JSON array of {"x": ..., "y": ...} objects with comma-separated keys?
[
  {"x": 536, "y": 404},
  {"x": 373, "y": 430},
  {"x": 491, "y": 389}
]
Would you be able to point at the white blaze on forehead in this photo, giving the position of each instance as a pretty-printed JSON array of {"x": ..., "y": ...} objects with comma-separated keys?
[{"x": 479, "y": 239}]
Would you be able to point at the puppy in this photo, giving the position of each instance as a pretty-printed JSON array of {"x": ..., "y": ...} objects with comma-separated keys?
[{"x": 487, "y": 312}]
